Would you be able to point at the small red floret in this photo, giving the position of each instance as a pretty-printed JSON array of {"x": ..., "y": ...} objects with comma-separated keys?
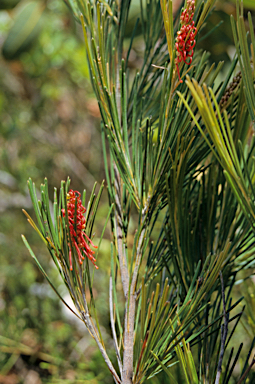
[
  {"x": 77, "y": 224},
  {"x": 185, "y": 41}
]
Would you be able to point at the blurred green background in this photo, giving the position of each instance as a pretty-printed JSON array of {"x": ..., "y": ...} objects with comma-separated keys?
[{"x": 50, "y": 127}]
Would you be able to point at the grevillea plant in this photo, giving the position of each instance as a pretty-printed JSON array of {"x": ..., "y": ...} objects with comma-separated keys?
[{"x": 179, "y": 166}]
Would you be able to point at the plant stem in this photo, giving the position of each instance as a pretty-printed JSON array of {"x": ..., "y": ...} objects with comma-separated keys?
[
  {"x": 128, "y": 353},
  {"x": 127, "y": 370},
  {"x": 87, "y": 320}
]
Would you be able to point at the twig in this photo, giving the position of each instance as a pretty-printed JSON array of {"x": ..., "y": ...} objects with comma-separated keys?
[
  {"x": 89, "y": 325},
  {"x": 224, "y": 331},
  {"x": 130, "y": 315},
  {"x": 127, "y": 370},
  {"x": 113, "y": 327},
  {"x": 93, "y": 331}
]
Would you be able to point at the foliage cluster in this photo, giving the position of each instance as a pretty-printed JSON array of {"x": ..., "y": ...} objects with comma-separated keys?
[{"x": 176, "y": 154}]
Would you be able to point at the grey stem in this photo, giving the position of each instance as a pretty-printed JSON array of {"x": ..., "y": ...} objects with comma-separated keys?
[{"x": 127, "y": 377}]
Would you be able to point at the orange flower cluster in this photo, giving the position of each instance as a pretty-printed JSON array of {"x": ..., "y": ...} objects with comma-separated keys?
[
  {"x": 185, "y": 41},
  {"x": 77, "y": 225}
]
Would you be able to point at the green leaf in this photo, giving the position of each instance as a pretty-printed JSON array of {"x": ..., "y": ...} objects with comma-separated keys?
[{"x": 46, "y": 276}]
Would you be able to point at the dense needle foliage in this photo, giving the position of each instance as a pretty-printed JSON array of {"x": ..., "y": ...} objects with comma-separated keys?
[{"x": 179, "y": 161}]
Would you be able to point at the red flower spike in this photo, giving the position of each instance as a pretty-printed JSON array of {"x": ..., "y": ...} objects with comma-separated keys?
[
  {"x": 77, "y": 223},
  {"x": 185, "y": 41}
]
